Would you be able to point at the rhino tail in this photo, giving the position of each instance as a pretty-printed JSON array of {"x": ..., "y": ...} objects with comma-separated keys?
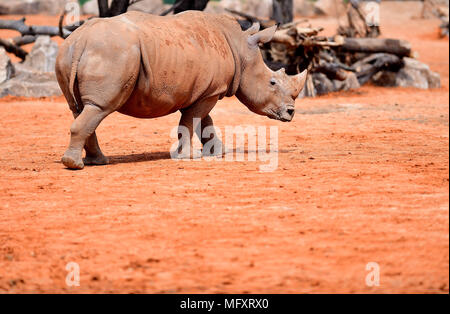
[{"x": 73, "y": 84}]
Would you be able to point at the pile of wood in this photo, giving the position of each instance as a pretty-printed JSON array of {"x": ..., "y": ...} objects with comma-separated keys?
[{"x": 355, "y": 60}]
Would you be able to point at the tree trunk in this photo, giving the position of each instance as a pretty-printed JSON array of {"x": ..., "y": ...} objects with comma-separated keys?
[
  {"x": 117, "y": 7},
  {"x": 198, "y": 5},
  {"x": 283, "y": 11},
  {"x": 103, "y": 8}
]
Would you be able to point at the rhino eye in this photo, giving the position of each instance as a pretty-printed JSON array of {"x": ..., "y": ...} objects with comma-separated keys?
[{"x": 273, "y": 82}]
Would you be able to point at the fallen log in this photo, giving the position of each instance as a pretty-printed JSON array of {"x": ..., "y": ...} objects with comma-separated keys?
[
  {"x": 397, "y": 47},
  {"x": 368, "y": 67},
  {"x": 23, "y": 40},
  {"x": 23, "y": 29},
  {"x": 11, "y": 47},
  {"x": 331, "y": 70}
]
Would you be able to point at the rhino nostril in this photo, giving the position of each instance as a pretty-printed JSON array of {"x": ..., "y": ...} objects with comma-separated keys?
[{"x": 290, "y": 111}]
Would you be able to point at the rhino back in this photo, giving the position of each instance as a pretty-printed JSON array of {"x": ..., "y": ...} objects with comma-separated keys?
[{"x": 184, "y": 59}]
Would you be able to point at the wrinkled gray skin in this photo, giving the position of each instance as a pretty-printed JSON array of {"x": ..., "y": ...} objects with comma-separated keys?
[{"x": 148, "y": 66}]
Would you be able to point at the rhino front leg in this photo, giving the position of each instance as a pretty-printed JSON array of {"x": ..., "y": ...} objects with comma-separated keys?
[
  {"x": 81, "y": 130},
  {"x": 191, "y": 117},
  {"x": 212, "y": 145}
]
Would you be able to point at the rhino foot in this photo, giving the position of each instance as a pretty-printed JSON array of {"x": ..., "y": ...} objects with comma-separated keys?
[
  {"x": 214, "y": 153},
  {"x": 196, "y": 154},
  {"x": 96, "y": 160},
  {"x": 72, "y": 163},
  {"x": 217, "y": 149}
]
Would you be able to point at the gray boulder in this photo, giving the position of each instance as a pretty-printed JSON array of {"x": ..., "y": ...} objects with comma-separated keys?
[
  {"x": 6, "y": 67},
  {"x": 28, "y": 82},
  {"x": 413, "y": 74},
  {"x": 51, "y": 7},
  {"x": 36, "y": 76},
  {"x": 351, "y": 82},
  {"x": 306, "y": 8},
  {"x": 147, "y": 6},
  {"x": 90, "y": 7},
  {"x": 330, "y": 7},
  {"x": 323, "y": 85},
  {"x": 43, "y": 55}
]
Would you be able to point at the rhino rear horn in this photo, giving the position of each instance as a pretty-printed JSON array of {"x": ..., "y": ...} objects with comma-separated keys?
[{"x": 262, "y": 37}]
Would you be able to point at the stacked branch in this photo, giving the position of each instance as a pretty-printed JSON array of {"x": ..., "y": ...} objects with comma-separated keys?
[
  {"x": 29, "y": 34},
  {"x": 298, "y": 46}
]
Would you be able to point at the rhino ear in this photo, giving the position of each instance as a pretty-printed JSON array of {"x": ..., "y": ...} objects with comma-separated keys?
[
  {"x": 262, "y": 37},
  {"x": 282, "y": 71},
  {"x": 253, "y": 29}
]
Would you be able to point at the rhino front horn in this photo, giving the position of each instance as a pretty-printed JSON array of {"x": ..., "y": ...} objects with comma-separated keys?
[{"x": 300, "y": 79}]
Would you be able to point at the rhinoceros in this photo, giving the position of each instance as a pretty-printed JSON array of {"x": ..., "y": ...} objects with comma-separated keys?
[{"x": 148, "y": 66}]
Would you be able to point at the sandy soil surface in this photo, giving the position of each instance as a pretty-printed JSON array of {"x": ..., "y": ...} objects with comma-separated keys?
[{"x": 362, "y": 177}]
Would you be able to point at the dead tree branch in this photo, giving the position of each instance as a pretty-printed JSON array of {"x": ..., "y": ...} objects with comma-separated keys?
[
  {"x": 23, "y": 29},
  {"x": 397, "y": 47},
  {"x": 11, "y": 47}
]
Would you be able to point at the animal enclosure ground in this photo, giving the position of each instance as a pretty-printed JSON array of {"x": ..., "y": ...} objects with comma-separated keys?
[{"x": 363, "y": 177}]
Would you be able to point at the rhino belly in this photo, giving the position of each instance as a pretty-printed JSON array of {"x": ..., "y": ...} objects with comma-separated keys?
[{"x": 155, "y": 99}]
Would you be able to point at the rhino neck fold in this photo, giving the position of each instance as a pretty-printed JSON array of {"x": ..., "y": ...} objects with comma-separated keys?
[{"x": 236, "y": 81}]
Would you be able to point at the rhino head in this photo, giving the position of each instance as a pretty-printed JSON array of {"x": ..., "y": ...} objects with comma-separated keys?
[{"x": 262, "y": 90}]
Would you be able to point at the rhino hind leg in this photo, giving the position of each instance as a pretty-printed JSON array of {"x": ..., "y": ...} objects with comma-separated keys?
[
  {"x": 94, "y": 155},
  {"x": 81, "y": 131}
]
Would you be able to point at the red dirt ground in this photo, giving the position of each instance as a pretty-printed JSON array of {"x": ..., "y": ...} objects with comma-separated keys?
[{"x": 363, "y": 177}]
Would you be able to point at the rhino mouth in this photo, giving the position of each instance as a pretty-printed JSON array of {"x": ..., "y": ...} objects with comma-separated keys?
[{"x": 285, "y": 115}]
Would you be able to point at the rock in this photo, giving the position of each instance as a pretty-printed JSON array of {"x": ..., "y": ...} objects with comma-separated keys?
[
  {"x": 16, "y": 87},
  {"x": 384, "y": 78},
  {"x": 413, "y": 74},
  {"x": 51, "y": 7},
  {"x": 330, "y": 7},
  {"x": 259, "y": 8},
  {"x": 417, "y": 74},
  {"x": 28, "y": 82},
  {"x": 6, "y": 67},
  {"x": 147, "y": 6},
  {"x": 306, "y": 8},
  {"x": 351, "y": 82},
  {"x": 43, "y": 55},
  {"x": 322, "y": 84},
  {"x": 91, "y": 8}
]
